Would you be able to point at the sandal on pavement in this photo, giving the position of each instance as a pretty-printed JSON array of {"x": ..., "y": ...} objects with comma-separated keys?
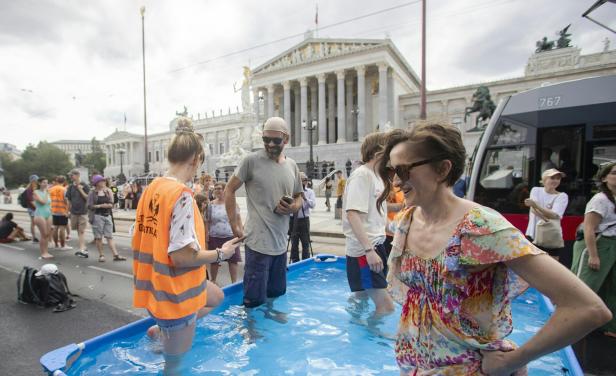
[
  {"x": 119, "y": 258},
  {"x": 46, "y": 257},
  {"x": 101, "y": 258}
]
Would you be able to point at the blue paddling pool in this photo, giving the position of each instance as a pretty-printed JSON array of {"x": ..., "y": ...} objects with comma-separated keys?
[{"x": 316, "y": 328}]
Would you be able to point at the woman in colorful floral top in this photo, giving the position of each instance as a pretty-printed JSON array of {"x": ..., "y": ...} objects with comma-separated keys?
[{"x": 455, "y": 264}]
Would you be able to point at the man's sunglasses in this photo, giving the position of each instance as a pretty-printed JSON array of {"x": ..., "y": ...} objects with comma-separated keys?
[
  {"x": 404, "y": 170},
  {"x": 275, "y": 140}
]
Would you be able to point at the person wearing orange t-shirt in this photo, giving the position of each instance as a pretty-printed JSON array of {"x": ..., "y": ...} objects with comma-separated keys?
[
  {"x": 59, "y": 213},
  {"x": 395, "y": 203}
]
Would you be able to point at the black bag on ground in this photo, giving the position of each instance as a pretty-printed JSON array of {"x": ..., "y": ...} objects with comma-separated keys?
[
  {"x": 44, "y": 290},
  {"x": 27, "y": 292}
]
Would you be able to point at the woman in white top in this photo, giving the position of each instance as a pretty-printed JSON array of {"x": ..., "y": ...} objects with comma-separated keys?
[
  {"x": 546, "y": 203},
  {"x": 594, "y": 257}
]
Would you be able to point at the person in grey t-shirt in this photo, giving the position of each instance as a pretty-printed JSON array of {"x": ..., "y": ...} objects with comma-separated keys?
[
  {"x": 77, "y": 196},
  {"x": 273, "y": 192}
]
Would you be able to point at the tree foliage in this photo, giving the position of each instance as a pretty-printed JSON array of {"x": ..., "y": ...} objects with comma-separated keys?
[
  {"x": 43, "y": 160},
  {"x": 96, "y": 160}
]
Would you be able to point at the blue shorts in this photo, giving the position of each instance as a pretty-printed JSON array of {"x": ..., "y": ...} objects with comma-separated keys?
[
  {"x": 169, "y": 326},
  {"x": 360, "y": 276},
  {"x": 265, "y": 276}
]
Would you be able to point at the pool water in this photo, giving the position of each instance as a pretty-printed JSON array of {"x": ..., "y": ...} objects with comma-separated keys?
[{"x": 315, "y": 329}]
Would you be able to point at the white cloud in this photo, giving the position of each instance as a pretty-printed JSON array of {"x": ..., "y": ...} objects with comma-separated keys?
[{"x": 80, "y": 62}]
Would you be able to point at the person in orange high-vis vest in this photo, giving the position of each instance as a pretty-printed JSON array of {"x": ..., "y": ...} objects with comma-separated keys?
[
  {"x": 59, "y": 212},
  {"x": 169, "y": 254}
]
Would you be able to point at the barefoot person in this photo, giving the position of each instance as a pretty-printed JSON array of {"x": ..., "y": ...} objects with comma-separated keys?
[
  {"x": 169, "y": 252},
  {"x": 364, "y": 228},
  {"x": 42, "y": 216},
  {"x": 456, "y": 266},
  {"x": 10, "y": 231}
]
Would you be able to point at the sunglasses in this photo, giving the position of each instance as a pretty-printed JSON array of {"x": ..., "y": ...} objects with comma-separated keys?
[
  {"x": 404, "y": 170},
  {"x": 275, "y": 140}
]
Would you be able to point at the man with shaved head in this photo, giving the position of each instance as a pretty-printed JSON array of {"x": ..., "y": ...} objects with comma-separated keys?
[{"x": 273, "y": 192}]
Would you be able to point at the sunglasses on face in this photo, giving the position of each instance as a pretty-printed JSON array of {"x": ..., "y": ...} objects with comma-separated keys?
[
  {"x": 403, "y": 170},
  {"x": 275, "y": 140}
]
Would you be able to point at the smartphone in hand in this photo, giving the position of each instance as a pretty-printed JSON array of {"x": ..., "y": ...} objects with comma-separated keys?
[{"x": 287, "y": 199}]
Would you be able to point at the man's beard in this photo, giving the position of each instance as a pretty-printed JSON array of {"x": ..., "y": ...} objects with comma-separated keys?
[{"x": 273, "y": 151}]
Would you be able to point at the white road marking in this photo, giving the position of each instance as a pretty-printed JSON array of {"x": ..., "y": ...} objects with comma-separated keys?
[
  {"x": 8, "y": 269},
  {"x": 126, "y": 275},
  {"x": 12, "y": 247}
]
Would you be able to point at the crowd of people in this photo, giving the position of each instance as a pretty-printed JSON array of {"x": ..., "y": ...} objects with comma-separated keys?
[{"x": 454, "y": 266}]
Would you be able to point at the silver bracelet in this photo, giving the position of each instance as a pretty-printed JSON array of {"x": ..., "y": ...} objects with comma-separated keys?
[{"x": 218, "y": 255}]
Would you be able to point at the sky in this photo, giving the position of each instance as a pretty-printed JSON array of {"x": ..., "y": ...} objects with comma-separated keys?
[{"x": 72, "y": 69}]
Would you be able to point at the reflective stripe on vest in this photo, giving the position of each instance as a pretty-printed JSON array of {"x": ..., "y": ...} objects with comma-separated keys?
[{"x": 168, "y": 292}]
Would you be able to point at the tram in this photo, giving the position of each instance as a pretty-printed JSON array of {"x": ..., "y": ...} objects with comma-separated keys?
[{"x": 569, "y": 125}]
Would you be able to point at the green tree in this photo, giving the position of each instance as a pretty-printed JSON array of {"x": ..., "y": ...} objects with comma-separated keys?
[
  {"x": 43, "y": 160},
  {"x": 96, "y": 160}
]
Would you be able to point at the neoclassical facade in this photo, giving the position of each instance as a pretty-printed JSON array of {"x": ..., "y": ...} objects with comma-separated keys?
[{"x": 345, "y": 88}]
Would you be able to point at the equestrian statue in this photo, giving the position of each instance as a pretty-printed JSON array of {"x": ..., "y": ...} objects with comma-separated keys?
[{"x": 483, "y": 104}]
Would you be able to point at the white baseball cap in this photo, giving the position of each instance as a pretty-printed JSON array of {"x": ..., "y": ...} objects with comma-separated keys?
[{"x": 47, "y": 269}]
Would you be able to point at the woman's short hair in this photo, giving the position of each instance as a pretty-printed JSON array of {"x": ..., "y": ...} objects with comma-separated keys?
[
  {"x": 221, "y": 184},
  {"x": 200, "y": 198},
  {"x": 373, "y": 144},
  {"x": 186, "y": 144}
]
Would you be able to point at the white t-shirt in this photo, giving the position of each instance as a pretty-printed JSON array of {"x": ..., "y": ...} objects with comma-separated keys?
[
  {"x": 544, "y": 199},
  {"x": 602, "y": 205},
  {"x": 182, "y": 230},
  {"x": 362, "y": 190}
]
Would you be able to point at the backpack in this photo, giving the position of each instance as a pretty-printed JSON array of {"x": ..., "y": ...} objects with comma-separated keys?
[
  {"x": 22, "y": 199},
  {"x": 45, "y": 290},
  {"x": 26, "y": 291}
]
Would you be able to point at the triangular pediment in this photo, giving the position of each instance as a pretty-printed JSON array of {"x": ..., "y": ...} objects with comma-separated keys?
[{"x": 312, "y": 50}]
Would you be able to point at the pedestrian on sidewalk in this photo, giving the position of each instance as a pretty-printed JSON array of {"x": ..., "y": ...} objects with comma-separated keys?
[
  {"x": 129, "y": 195},
  {"x": 299, "y": 225},
  {"x": 170, "y": 254},
  {"x": 42, "y": 216},
  {"x": 59, "y": 213},
  {"x": 339, "y": 193},
  {"x": 273, "y": 192},
  {"x": 77, "y": 196},
  {"x": 100, "y": 201},
  {"x": 219, "y": 231},
  {"x": 9, "y": 230},
  {"x": 328, "y": 193},
  {"x": 30, "y": 202},
  {"x": 454, "y": 262},
  {"x": 363, "y": 224}
]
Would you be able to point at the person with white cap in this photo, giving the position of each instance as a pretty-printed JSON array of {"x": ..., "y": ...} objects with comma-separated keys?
[
  {"x": 100, "y": 200},
  {"x": 546, "y": 204},
  {"x": 273, "y": 192}
]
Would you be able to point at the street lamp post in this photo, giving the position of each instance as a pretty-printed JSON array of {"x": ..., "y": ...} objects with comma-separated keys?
[
  {"x": 121, "y": 152},
  {"x": 310, "y": 129},
  {"x": 146, "y": 164}
]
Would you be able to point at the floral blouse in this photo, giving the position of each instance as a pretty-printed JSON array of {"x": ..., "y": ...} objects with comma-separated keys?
[{"x": 459, "y": 302}]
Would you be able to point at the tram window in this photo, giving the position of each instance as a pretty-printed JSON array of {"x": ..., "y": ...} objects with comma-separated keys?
[
  {"x": 507, "y": 133},
  {"x": 604, "y": 131},
  {"x": 504, "y": 179}
]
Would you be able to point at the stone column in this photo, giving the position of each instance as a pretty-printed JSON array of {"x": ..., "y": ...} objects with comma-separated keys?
[
  {"x": 255, "y": 95},
  {"x": 331, "y": 112},
  {"x": 322, "y": 120},
  {"x": 217, "y": 143},
  {"x": 361, "y": 102},
  {"x": 227, "y": 140},
  {"x": 350, "y": 123},
  {"x": 270, "y": 101},
  {"x": 341, "y": 108},
  {"x": 313, "y": 111},
  {"x": 287, "y": 105},
  {"x": 383, "y": 118},
  {"x": 303, "y": 82},
  {"x": 297, "y": 130}
]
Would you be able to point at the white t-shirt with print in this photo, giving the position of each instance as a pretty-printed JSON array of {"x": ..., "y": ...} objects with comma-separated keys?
[
  {"x": 362, "y": 190},
  {"x": 602, "y": 205},
  {"x": 557, "y": 201}
]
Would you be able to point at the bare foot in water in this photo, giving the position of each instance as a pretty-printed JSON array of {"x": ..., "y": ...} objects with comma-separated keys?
[{"x": 153, "y": 332}]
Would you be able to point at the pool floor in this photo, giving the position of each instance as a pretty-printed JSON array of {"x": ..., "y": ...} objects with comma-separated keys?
[{"x": 317, "y": 328}]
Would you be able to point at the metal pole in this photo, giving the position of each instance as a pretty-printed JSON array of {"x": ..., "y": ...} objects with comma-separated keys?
[
  {"x": 146, "y": 165},
  {"x": 422, "y": 114},
  {"x": 311, "y": 168}
]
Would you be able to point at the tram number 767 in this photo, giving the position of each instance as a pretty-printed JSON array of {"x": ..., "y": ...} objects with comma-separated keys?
[{"x": 549, "y": 101}]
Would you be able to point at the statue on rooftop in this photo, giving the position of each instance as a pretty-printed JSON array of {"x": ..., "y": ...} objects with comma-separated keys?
[
  {"x": 544, "y": 45},
  {"x": 184, "y": 113},
  {"x": 564, "y": 39},
  {"x": 482, "y": 103}
]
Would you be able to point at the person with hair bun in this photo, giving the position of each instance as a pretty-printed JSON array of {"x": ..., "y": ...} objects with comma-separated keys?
[
  {"x": 594, "y": 257},
  {"x": 456, "y": 266},
  {"x": 42, "y": 216},
  {"x": 169, "y": 252}
]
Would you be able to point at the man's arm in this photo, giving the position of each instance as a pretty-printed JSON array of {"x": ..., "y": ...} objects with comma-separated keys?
[
  {"x": 356, "y": 221},
  {"x": 231, "y": 206},
  {"x": 81, "y": 191}
]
